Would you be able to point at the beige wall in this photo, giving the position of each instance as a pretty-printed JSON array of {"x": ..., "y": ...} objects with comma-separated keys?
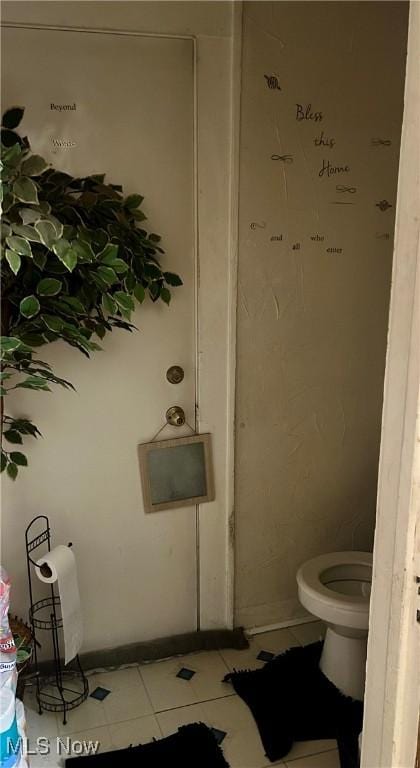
[{"x": 312, "y": 322}]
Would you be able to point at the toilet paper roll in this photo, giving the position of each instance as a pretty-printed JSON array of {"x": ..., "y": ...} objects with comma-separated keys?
[{"x": 59, "y": 566}]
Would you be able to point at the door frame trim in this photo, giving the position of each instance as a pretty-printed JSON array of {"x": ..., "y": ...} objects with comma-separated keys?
[
  {"x": 236, "y": 87},
  {"x": 218, "y": 92}
]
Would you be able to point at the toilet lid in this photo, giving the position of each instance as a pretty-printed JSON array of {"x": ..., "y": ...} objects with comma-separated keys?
[{"x": 309, "y": 578}]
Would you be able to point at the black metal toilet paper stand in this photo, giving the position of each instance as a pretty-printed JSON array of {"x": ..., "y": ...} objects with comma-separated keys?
[{"x": 60, "y": 689}]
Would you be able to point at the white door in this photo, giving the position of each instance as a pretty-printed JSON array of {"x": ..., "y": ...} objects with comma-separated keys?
[
  {"x": 393, "y": 663},
  {"x": 133, "y": 120}
]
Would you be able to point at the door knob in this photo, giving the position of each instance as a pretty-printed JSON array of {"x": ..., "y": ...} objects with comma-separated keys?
[
  {"x": 175, "y": 374},
  {"x": 175, "y": 416}
]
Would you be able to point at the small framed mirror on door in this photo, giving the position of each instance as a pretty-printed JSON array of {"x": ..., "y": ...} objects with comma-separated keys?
[{"x": 176, "y": 473}]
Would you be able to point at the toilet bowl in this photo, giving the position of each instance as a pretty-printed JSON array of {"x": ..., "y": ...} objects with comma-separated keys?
[{"x": 336, "y": 589}]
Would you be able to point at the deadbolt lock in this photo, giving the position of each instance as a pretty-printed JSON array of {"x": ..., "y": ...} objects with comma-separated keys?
[
  {"x": 175, "y": 374},
  {"x": 175, "y": 416}
]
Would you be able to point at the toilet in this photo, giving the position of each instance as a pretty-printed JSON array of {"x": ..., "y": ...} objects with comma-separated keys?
[{"x": 336, "y": 589}]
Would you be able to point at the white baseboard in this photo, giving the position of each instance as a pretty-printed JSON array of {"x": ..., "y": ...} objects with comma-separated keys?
[{"x": 280, "y": 625}]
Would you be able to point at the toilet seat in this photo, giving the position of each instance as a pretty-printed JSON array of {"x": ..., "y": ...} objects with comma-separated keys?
[{"x": 328, "y": 604}]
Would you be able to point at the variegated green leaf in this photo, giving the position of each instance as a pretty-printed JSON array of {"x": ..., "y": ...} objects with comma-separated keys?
[
  {"x": 19, "y": 245},
  {"x": 25, "y": 190},
  {"x": 14, "y": 261},
  {"x": 34, "y": 166},
  {"x": 47, "y": 233}
]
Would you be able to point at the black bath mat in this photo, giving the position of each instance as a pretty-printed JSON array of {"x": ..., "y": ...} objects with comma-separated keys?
[
  {"x": 291, "y": 700},
  {"x": 192, "y": 746}
]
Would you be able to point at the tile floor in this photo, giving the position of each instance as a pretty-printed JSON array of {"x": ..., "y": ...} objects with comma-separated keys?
[{"x": 150, "y": 701}]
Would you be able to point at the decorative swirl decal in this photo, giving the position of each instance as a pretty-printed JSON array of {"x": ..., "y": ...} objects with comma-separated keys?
[
  {"x": 383, "y": 205},
  {"x": 343, "y": 188},
  {"x": 283, "y": 158},
  {"x": 257, "y": 225},
  {"x": 272, "y": 82}
]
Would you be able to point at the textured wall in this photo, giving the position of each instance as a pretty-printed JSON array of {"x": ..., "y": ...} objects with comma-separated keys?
[{"x": 322, "y": 98}]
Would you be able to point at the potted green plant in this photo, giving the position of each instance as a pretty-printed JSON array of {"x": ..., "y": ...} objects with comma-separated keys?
[{"x": 75, "y": 257}]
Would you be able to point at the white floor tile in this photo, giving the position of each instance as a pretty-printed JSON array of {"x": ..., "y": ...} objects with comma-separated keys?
[
  {"x": 138, "y": 731},
  {"x": 172, "y": 719},
  {"x": 114, "y": 680},
  {"x": 46, "y": 761},
  {"x": 322, "y": 760},
  {"x": 127, "y": 703},
  {"x": 90, "y": 741},
  {"x": 309, "y": 633},
  {"x": 166, "y": 691},
  {"x": 304, "y": 748},
  {"x": 40, "y": 725},
  {"x": 90, "y": 714},
  {"x": 242, "y": 745},
  {"x": 128, "y": 700},
  {"x": 275, "y": 642},
  {"x": 126, "y": 715}
]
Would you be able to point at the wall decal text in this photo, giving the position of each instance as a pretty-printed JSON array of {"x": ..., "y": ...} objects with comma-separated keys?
[
  {"x": 381, "y": 142},
  {"x": 328, "y": 170},
  {"x": 63, "y": 107},
  {"x": 322, "y": 141},
  {"x": 303, "y": 113},
  {"x": 63, "y": 143}
]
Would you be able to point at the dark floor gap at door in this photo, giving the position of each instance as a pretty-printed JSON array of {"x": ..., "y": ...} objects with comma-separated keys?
[{"x": 162, "y": 648}]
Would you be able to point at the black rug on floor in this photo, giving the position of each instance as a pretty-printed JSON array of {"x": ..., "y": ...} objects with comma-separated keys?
[
  {"x": 193, "y": 746},
  {"x": 291, "y": 700}
]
